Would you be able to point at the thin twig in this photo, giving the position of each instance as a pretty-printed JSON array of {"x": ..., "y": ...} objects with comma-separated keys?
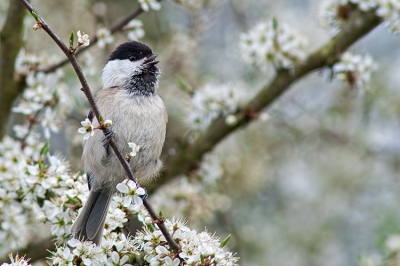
[
  {"x": 93, "y": 40},
  {"x": 32, "y": 122},
  {"x": 85, "y": 88}
]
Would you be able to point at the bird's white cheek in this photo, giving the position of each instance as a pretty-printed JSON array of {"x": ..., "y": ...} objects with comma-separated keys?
[{"x": 116, "y": 72}]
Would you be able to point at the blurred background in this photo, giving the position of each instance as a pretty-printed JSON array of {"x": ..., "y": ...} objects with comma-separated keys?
[{"x": 314, "y": 182}]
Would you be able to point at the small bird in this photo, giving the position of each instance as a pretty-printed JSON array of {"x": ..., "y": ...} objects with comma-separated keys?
[{"x": 129, "y": 99}]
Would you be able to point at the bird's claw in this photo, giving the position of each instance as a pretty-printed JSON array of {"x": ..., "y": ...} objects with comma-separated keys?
[
  {"x": 110, "y": 134},
  {"x": 145, "y": 195}
]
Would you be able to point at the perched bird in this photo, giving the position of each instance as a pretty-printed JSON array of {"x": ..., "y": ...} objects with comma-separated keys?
[{"x": 129, "y": 99}]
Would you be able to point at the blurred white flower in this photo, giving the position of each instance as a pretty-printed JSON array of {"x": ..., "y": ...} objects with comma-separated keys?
[
  {"x": 355, "y": 69},
  {"x": 135, "y": 149},
  {"x": 25, "y": 63},
  {"x": 103, "y": 37},
  {"x": 88, "y": 66},
  {"x": 335, "y": 13},
  {"x": 135, "y": 30},
  {"x": 211, "y": 101},
  {"x": 390, "y": 11},
  {"x": 273, "y": 42},
  {"x": 86, "y": 129},
  {"x": 392, "y": 243},
  {"x": 50, "y": 122},
  {"x": 83, "y": 39},
  {"x": 373, "y": 260},
  {"x": 17, "y": 261},
  {"x": 131, "y": 192},
  {"x": 146, "y": 5},
  {"x": 231, "y": 120}
]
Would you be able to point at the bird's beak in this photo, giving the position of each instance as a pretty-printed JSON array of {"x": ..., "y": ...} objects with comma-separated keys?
[{"x": 150, "y": 60}]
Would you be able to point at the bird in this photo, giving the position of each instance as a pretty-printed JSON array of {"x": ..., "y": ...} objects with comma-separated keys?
[{"x": 129, "y": 99}]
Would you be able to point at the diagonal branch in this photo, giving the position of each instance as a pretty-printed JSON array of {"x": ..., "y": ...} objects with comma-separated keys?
[
  {"x": 188, "y": 156},
  {"x": 85, "y": 88}
]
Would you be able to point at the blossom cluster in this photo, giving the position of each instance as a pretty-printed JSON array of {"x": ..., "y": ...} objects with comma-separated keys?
[
  {"x": 45, "y": 99},
  {"x": 334, "y": 13},
  {"x": 115, "y": 249},
  {"x": 196, "y": 248},
  {"x": 17, "y": 261},
  {"x": 212, "y": 101},
  {"x": 355, "y": 69},
  {"x": 273, "y": 42},
  {"x": 147, "y": 247}
]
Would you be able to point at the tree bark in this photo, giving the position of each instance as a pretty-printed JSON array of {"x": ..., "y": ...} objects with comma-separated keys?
[{"x": 11, "y": 39}]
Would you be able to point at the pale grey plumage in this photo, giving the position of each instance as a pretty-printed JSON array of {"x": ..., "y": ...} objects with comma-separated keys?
[{"x": 130, "y": 101}]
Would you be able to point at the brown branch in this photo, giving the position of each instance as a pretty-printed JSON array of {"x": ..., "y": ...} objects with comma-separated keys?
[
  {"x": 188, "y": 156},
  {"x": 117, "y": 27},
  {"x": 85, "y": 88},
  {"x": 11, "y": 37}
]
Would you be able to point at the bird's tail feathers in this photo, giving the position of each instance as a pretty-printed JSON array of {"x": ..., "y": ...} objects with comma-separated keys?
[{"x": 90, "y": 222}]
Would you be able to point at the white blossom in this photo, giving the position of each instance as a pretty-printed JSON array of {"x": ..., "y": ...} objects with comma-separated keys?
[
  {"x": 86, "y": 129},
  {"x": 211, "y": 101},
  {"x": 87, "y": 251},
  {"x": 104, "y": 37},
  {"x": 231, "y": 120},
  {"x": 115, "y": 260},
  {"x": 193, "y": 245},
  {"x": 273, "y": 42},
  {"x": 135, "y": 149},
  {"x": 50, "y": 122},
  {"x": 390, "y": 11},
  {"x": 131, "y": 192},
  {"x": 135, "y": 30},
  {"x": 108, "y": 123},
  {"x": 17, "y": 261},
  {"x": 83, "y": 39},
  {"x": 335, "y": 13},
  {"x": 355, "y": 69},
  {"x": 392, "y": 243},
  {"x": 62, "y": 256},
  {"x": 146, "y": 5}
]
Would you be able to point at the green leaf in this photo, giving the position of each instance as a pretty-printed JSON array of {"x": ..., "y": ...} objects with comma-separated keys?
[
  {"x": 45, "y": 148},
  {"x": 160, "y": 214},
  {"x": 201, "y": 259},
  {"x": 74, "y": 201},
  {"x": 225, "y": 241},
  {"x": 275, "y": 24},
  {"x": 71, "y": 39},
  {"x": 101, "y": 118},
  {"x": 151, "y": 227},
  {"x": 182, "y": 85}
]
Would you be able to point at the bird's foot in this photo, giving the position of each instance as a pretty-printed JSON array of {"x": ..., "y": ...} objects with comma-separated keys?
[
  {"x": 145, "y": 195},
  {"x": 110, "y": 134}
]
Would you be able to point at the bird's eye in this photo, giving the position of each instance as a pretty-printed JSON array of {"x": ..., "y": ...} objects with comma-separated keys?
[{"x": 132, "y": 58}]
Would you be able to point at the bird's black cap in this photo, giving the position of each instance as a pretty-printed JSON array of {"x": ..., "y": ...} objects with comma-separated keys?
[{"x": 131, "y": 50}]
